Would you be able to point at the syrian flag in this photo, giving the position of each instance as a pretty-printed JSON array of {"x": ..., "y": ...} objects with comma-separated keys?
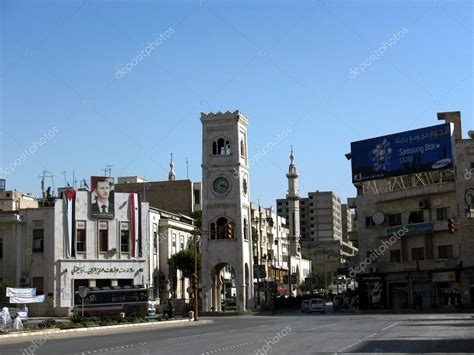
[
  {"x": 135, "y": 224},
  {"x": 69, "y": 198}
]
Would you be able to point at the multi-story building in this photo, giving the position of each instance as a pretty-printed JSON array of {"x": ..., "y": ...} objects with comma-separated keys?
[
  {"x": 324, "y": 231},
  {"x": 59, "y": 247},
  {"x": 272, "y": 255},
  {"x": 14, "y": 201},
  {"x": 409, "y": 257},
  {"x": 178, "y": 196}
]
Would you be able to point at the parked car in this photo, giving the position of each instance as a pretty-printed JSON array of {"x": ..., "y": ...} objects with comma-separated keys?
[
  {"x": 229, "y": 305},
  {"x": 317, "y": 305},
  {"x": 304, "y": 306}
]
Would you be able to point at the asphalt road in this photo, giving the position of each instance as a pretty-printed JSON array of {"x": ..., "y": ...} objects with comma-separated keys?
[{"x": 288, "y": 333}]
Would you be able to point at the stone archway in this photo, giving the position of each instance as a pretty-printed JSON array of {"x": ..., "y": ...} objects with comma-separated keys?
[{"x": 223, "y": 285}]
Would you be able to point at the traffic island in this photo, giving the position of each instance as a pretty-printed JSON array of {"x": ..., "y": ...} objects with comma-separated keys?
[{"x": 82, "y": 331}]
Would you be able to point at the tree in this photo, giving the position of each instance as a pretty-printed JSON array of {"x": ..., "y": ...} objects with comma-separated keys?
[
  {"x": 305, "y": 255},
  {"x": 184, "y": 261},
  {"x": 197, "y": 215}
]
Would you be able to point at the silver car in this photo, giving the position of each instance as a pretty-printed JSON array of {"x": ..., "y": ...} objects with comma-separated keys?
[{"x": 317, "y": 305}]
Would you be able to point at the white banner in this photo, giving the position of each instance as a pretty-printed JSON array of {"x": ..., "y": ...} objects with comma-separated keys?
[
  {"x": 33, "y": 299},
  {"x": 21, "y": 292}
]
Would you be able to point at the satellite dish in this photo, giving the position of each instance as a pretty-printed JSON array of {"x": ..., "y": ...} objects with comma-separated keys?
[{"x": 378, "y": 217}]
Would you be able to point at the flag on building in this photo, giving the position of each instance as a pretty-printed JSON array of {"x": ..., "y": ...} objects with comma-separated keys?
[
  {"x": 69, "y": 198},
  {"x": 135, "y": 224}
]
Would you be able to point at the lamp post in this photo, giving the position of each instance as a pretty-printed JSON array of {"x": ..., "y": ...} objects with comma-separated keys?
[{"x": 195, "y": 277}]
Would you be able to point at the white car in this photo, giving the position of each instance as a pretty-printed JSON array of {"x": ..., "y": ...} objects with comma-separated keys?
[{"x": 317, "y": 305}]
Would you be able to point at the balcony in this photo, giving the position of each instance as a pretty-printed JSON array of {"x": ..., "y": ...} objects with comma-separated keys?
[
  {"x": 351, "y": 202},
  {"x": 353, "y": 236}
]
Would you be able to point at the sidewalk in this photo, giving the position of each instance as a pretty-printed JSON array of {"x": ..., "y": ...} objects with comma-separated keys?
[{"x": 47, "y": 334}]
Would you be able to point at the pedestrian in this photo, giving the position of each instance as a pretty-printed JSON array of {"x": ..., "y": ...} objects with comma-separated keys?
[
  {"x": 6, "y": 315},
  {"x": 169, "y": 308},
  {"x": 17, "y": 323}
]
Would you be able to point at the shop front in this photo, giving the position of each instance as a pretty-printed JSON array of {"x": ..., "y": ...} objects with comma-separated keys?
[
  {"x": 95, "y": 274},
  {"x": 446, "y": 290}
]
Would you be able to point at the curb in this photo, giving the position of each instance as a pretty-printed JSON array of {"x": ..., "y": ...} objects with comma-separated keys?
[{"x": 111, "y": 329}]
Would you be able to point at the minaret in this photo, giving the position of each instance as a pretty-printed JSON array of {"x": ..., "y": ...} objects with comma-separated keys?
[
  {"x": 293, "y": 198},
  {"x": 171, "y": 175}
]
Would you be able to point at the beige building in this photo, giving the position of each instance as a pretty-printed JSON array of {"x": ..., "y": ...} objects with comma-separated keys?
[
  {"x": 178, "y": 196},
  {"x": 271, "y": 253},
  {"x": 408, "y": 256},
  {"x": 14, "y": 201},
  {"x": 34, "y": 251},
  {"x": 325, "y": 230}
]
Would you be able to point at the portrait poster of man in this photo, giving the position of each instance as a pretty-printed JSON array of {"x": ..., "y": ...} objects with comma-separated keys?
[{"x": 102, "y": 197}]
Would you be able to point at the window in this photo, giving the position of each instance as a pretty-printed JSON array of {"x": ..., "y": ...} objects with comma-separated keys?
[
  {"x": 442, "y": 214},
  {"x": 242, "y": 148},
  {"x": 181, "y": 242},
  {"x": 418, "y": 253},
  {"x": 124, "y": 238},
  {"x": 394, "y": 219},
  {"x": 279, "y": 203},
  {"x": 445, "y": 251},
  {"x": 38, "y": 240},
  {"x": 246, "y": 233},
  {"x": 221, "y": 147},
  {"x": 416, "y": 217},
  {"x": 39, "y": 285},
  {"x": 218, "y": 229},
  {"x": 103, "y": 237},
  {"x": 173, "y": 243},
  {"x": 197, "y": 197},
  {"x": 1, "y": 246},
  {"x": 155, "y": 238},
  {"x": 395, "y": 256},
  {"x": 369, "y": 222},
  {"x": 81, "y": 236}
]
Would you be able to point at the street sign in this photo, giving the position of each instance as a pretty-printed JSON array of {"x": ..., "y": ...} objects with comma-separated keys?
[{"x": 83, "y": 291}]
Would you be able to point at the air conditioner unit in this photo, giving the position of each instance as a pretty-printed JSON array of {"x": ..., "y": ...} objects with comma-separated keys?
[{"x": 424, "y": 204}]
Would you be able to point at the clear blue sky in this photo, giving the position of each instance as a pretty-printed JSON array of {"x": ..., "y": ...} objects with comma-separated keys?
[{"x": 286, "y": 65}]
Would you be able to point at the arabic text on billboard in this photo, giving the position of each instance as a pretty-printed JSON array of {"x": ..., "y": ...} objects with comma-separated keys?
[{"x": 410, "y": 152}]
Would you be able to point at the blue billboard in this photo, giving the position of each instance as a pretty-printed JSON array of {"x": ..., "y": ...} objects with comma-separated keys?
[{"x": 410, "y": 152}]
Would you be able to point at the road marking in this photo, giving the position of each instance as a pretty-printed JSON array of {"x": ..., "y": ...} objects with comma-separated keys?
[
  {"x": 367, "y": 337},
  {"x": 321, "y": 326},
  {"x": 390, "y": 326}
]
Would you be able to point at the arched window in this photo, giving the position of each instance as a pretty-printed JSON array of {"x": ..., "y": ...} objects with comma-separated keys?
[
  {"x": 221, "y": 147},
  {"x": 221, "y": 222},
  {"x": 242, "y": 148},
  {"x": 213, "y": 231},
  {"x": 246, "y": 235}
]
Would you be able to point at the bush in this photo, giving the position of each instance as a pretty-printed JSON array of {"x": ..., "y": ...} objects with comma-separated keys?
[
  {"x": 48, "y": 323},
  {"x": 71, "y": 325}
]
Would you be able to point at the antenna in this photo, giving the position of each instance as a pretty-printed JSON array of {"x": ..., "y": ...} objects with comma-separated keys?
[
  {"x": 108, "y": 169},
  {"x": 44, "y": 174},
  {"x": 187, "y": 169}
]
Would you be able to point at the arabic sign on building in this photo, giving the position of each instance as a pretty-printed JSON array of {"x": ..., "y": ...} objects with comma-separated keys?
[
  {"x": 412, "y": 229},
  {"x": 410, "y": 152},
  {"x": 82, "y": 270}
]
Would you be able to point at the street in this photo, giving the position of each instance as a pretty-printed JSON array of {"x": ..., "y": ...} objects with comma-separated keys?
[{"x": 286, "y": 333}]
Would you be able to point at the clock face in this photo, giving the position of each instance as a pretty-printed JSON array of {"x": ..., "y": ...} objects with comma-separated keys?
[{"x": 221, "y": 185}]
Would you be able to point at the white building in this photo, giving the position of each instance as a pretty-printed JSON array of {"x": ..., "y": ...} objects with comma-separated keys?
[{"x": 36, "y": 251}]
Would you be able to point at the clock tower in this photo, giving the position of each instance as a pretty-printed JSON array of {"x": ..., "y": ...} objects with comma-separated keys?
[{"x": 226, "y": 239}]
